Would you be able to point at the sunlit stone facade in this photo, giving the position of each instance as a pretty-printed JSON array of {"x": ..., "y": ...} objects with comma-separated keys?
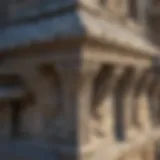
[{"x": 79, "y": 79}]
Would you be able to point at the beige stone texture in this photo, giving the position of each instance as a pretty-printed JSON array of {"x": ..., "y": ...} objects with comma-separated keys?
[{"x": 90, "y": 79}]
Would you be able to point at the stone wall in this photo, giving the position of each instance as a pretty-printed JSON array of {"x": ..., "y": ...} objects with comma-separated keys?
[
  {"x": 102, "y": 107},
  {"x": 91, "y": 86}
]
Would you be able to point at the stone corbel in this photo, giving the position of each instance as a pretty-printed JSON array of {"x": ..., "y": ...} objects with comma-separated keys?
[
  {"x": 129, "y": 95},
  {"x": 103, "y": 104},
  {"x": 125, "y": 96},
  {"x": 106, "y": 87},
  {"x": 142, "y": 99},
  {"x": 77, "y": 83},
  {"x": 130, "y": 100}
]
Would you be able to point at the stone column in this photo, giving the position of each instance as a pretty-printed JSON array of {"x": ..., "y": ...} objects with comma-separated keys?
[
  {"x": 103, "y": 106},
  {"x": 114, "y": 114},
  {"x": 125, "y": 91},
  {"x": 77, "y": 81},
  {"x": 143, "y": 100},
  {"x": 130, "y": 102},
  {"x": 123, "y": 96},
  {"x": 136, "y": 91},
  {"x": 118, "y": 112},
  {"x": 129, "y": 98}
]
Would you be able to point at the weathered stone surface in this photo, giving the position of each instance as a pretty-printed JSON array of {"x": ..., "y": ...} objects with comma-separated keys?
[
  {"x": 23, "y": 150},
  {"x": 84, "y": 94},
  {"x": 77, "y": 24}
]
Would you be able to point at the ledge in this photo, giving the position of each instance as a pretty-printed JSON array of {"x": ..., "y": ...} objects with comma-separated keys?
[
  {"x": 118, "y": 150},
  {"x": 74, "y": 25},
  {"x": 40, "y": 9},
  {"x": 109, "y": 150}
]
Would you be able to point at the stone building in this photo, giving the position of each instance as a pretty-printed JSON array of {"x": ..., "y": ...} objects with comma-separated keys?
[{"x": 80, "y": 79}]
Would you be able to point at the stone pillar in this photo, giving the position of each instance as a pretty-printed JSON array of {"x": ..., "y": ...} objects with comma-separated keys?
[
  {"x": 143, "y": 100},
  {"x": 139, "y": 79},
  {"x": 130, "y": 101},
  {"x": 77, "y": 81},
  {"x": 123, "y": 96},
  {"x": 129, "y": 98},
  {"x": 114, "y": 115},
  {"x": 116, "y": 111},
  {"x": 103, "y": 106}
]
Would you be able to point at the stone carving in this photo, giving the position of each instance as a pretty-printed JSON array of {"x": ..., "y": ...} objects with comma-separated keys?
[
  {"x": 54, "y": 119},
  {"x": 100, "y": 117},
  {"x": 64, "y": 110}
]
